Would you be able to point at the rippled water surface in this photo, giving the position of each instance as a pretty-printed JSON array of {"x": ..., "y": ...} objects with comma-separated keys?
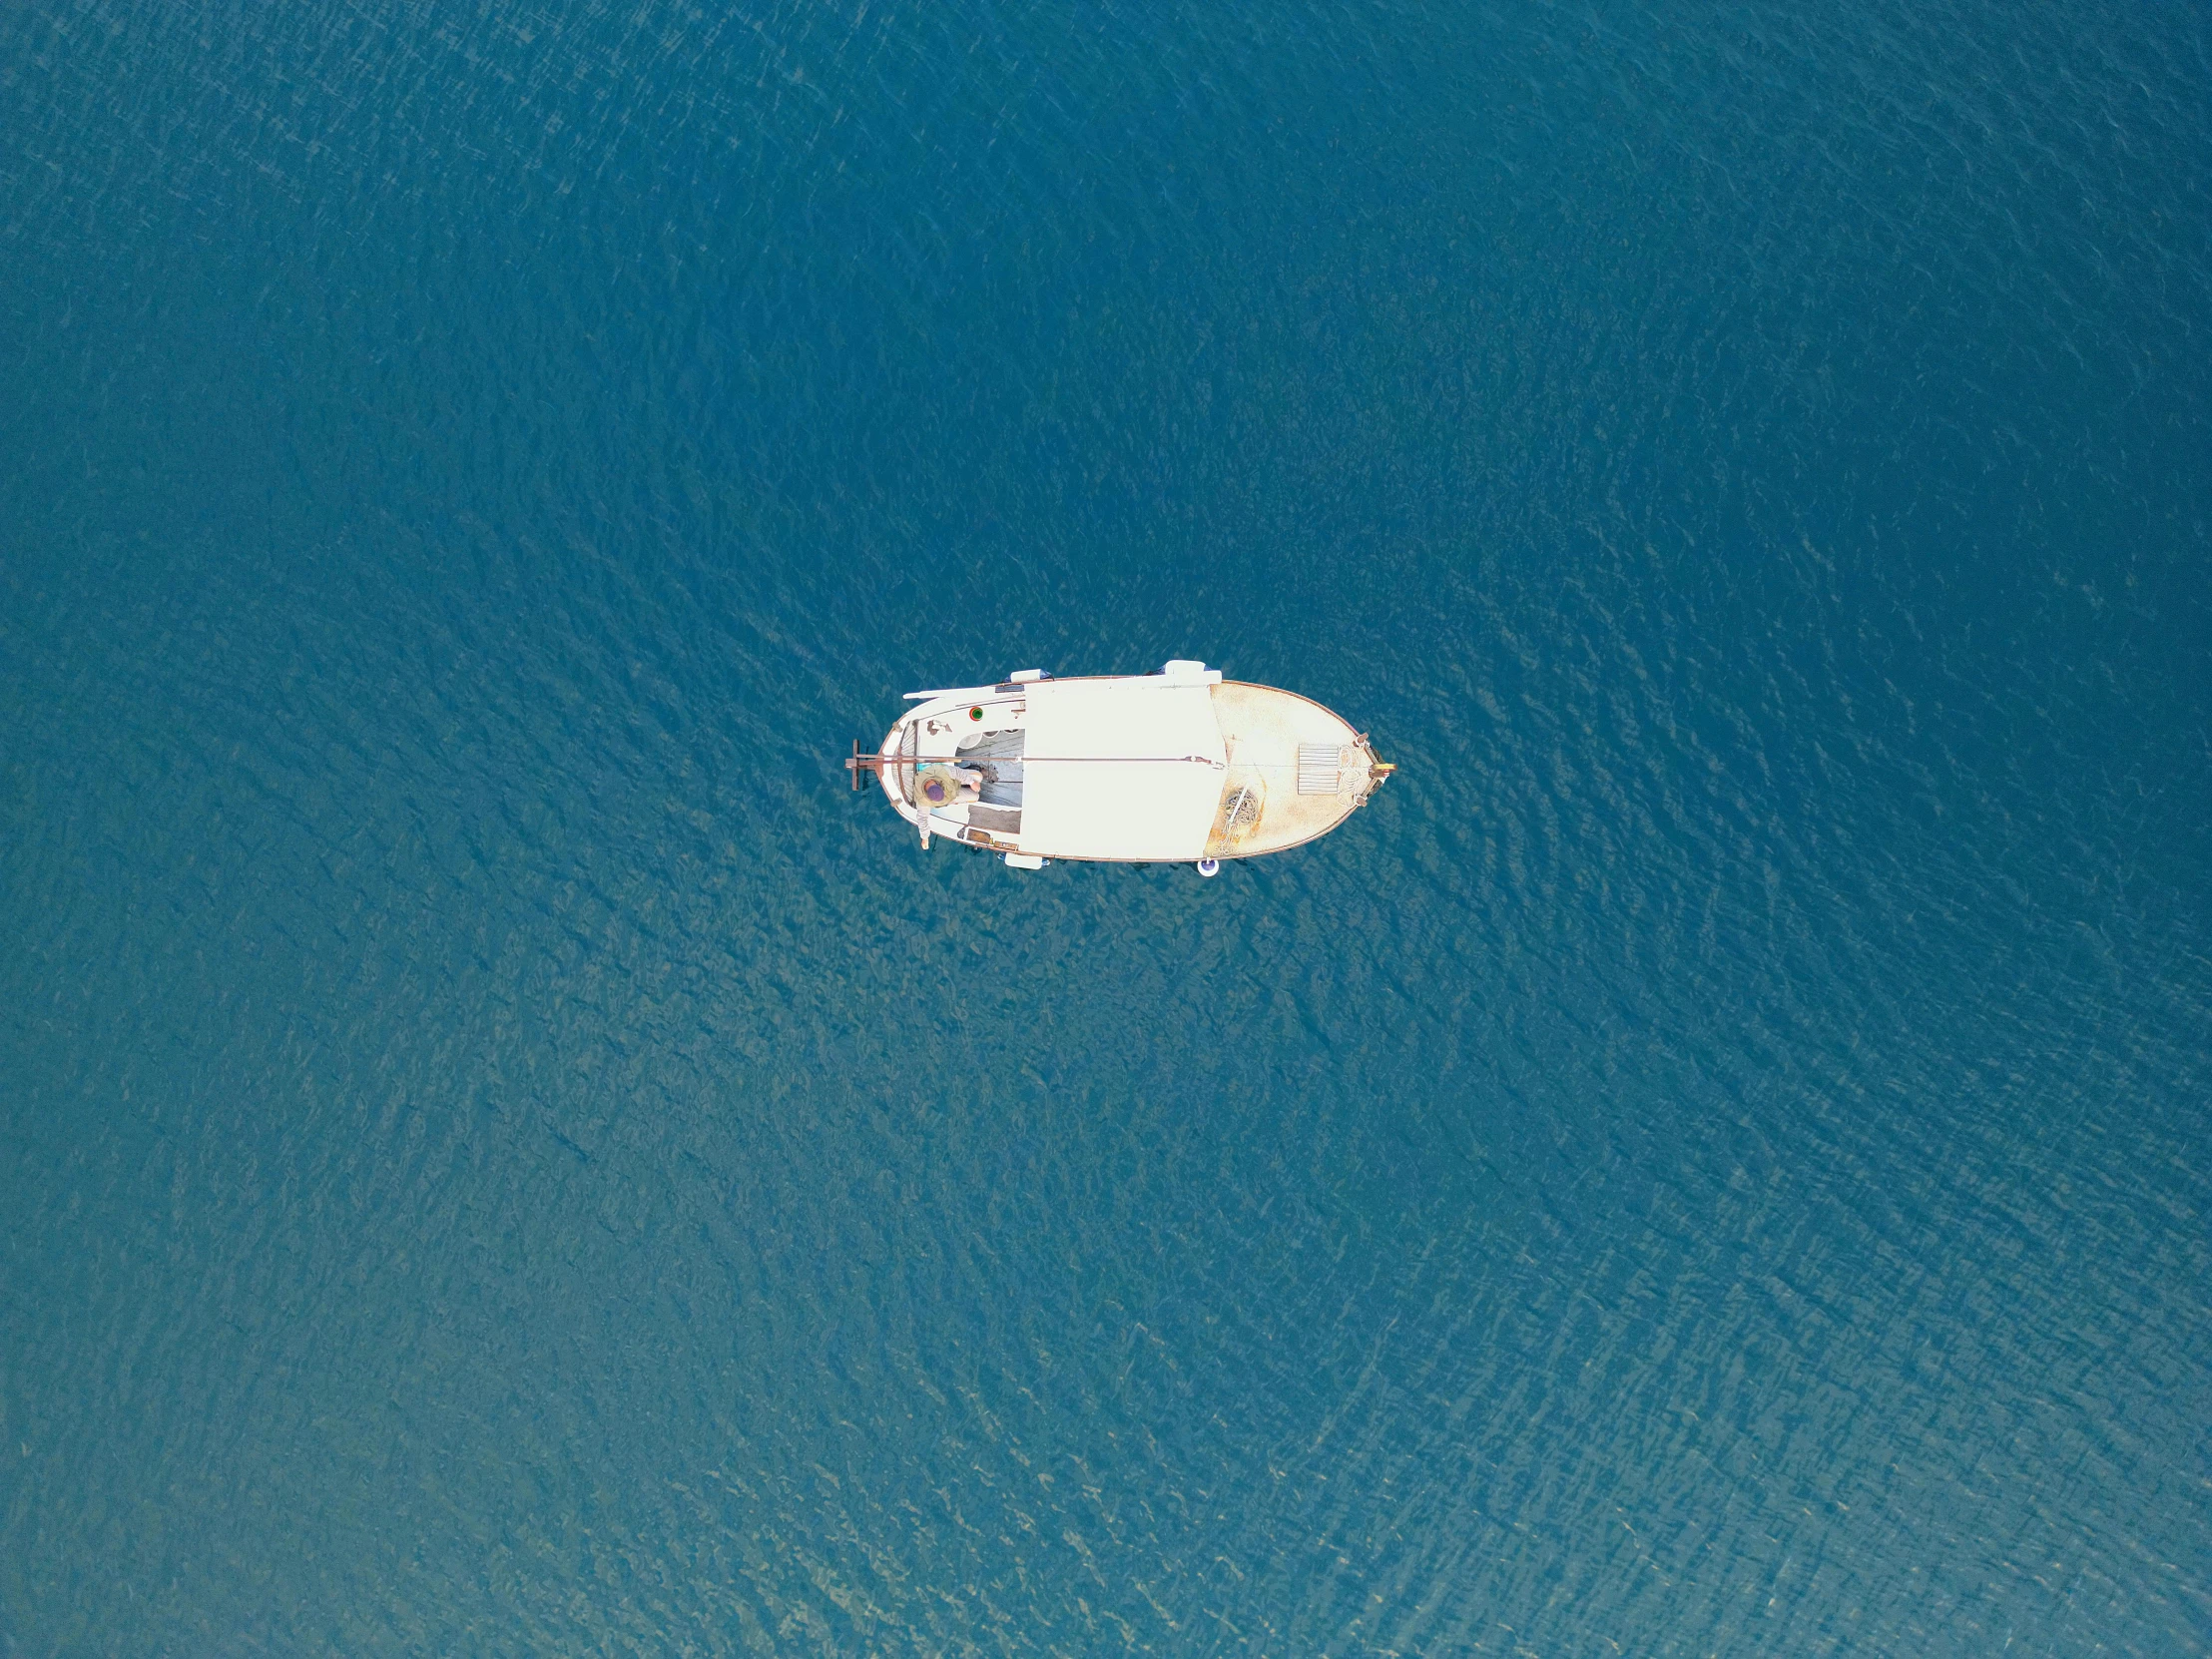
[{"x": 500, "y": 1153}]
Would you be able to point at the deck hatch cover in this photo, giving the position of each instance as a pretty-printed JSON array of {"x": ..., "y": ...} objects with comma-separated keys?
[{"x": 1321, "y": 768}]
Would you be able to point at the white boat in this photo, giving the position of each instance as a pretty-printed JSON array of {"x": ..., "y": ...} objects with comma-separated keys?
[{"x": 1176, "y": 767}]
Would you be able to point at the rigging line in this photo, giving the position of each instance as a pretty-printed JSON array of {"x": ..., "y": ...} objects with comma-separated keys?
[
  {"x": 1041, "y": 760},
  {"x": 1073, "y": 759},
  {"x": 905, "y": 762}
]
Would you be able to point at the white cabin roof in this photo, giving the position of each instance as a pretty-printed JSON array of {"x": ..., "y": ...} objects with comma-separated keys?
[{"x": 1121, "y": 769}]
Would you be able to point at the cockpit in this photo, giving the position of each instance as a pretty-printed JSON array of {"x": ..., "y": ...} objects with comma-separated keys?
[{"x": 975, "y": 792}]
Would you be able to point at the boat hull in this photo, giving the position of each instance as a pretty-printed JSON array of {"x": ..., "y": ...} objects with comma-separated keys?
[{"x": 1181, "y": 766}]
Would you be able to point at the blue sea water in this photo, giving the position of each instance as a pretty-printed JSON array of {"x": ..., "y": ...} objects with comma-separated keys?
[{"x": 501, "y": 1153}]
